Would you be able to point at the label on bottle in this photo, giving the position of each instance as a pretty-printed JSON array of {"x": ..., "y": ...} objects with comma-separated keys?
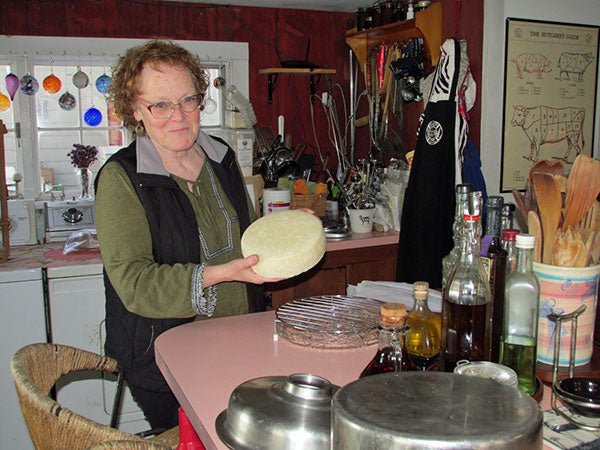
[{"x": 487, "y": 265}]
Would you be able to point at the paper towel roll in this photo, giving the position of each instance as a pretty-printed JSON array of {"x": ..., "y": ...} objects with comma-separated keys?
[{"x": 275, "y": 200}]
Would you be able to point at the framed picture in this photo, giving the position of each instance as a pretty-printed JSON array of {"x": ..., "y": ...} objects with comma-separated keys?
[{"x": 550, "y": 83}]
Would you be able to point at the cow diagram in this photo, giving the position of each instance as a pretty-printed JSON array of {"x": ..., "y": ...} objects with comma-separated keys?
[
  {"x": 548, "y": 125},
  {"x": 571, "y": 66}
]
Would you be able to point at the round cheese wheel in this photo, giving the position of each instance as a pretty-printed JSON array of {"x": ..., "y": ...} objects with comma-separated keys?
[{"x": 287, "y": 243}]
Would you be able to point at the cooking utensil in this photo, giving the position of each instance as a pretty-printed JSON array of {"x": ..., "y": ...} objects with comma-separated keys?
[
  {"x": 278, "y": 412},
  {"x": 535, "y": 228},
  {"x": 520, "y": 202},
  {"x": 582, "y": 394},
  {"x": 568, "y": 249},
  {"x": 329, "y": 321},
  {"x": 419, "y": 410},
  {"x": 583, "y": 187},
  {"x": 487, "y": 369},
  {"x": 552, "y": 166},
  {"x": 549, "y": 201}
]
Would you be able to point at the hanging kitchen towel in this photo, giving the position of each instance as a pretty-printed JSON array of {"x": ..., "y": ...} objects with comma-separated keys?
[{"x": 428, "y": 211}]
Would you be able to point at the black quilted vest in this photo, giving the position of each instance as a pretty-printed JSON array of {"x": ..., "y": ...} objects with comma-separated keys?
[{"x": 174, "y": 230}]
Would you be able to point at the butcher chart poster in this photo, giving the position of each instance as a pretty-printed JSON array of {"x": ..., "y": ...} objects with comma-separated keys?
[{"x": 550, "y": 82}]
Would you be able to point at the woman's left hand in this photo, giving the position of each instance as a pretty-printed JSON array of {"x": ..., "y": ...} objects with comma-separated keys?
[{"x": 236, "y": 270}]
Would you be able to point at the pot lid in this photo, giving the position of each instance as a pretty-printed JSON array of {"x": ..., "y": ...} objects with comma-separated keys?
[
  {"x": 278, "y": 412},
  {"x": 420, "y": 409}
]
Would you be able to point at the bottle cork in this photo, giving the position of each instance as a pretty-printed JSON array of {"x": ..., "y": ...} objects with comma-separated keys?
[
  {"x": 421, "y": 290},
  {"x": 392, "y": 314}
]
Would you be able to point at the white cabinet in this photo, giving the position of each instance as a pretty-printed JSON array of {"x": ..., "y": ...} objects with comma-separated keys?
[
  {"x": 76, "y": 297},
  {"x": 22, "y": 322}
]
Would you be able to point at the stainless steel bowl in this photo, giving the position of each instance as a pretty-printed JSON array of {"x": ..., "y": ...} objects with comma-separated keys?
[
  {"x": 278, "y": 412},
  {"x": 486, "y": 369},
  {"x": 425, "y": 410}
]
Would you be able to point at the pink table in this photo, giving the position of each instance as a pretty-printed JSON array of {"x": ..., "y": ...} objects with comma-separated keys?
[{"x": 204, "y": 361}]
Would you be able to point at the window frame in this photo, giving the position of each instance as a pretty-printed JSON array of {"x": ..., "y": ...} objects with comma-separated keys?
[{"x": 24, "y": 52}]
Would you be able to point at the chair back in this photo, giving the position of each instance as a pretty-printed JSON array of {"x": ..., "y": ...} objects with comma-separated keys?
[
  {"x": 129, "y": 445},
  {"x": 36, "y": 368}
]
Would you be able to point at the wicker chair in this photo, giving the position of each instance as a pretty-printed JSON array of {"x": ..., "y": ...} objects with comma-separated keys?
[
  {"x": 129, "y": 445},
  {"x": 36, "y": 368}
]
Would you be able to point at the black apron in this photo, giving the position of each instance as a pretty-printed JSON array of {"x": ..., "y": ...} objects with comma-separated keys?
[{"x": 429, "y": 201}]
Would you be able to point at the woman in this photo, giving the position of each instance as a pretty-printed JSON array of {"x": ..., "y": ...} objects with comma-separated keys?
[{"x": 170, "y": 211}]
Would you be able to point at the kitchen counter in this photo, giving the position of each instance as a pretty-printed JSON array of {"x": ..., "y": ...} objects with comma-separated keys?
[
  {"x": 48, "y": 256},
  {"x": 51, "y": 254}
]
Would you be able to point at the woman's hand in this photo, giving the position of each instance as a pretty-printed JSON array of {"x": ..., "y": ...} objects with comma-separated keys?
[{"x": 236, "y": 270}]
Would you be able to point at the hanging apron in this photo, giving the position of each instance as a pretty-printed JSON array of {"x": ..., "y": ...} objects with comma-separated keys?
[{"x": 429, "y": 202}]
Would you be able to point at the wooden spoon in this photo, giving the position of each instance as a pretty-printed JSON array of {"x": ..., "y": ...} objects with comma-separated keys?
[
  {"x": 568, "y": 248},
  {"x": 595, "y": 250},
  {"x": 549, "y": 200},
  {"x": 520, "y": 202},
  {"x": 535, "y": 228},
  {"x": 583, "y": 186},
  {"x": 553, "y": 166}
]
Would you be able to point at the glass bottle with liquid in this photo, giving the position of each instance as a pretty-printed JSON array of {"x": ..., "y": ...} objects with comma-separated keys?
[
  {"x": 449, "y": 261},
  {"x": 522, "y": 293},
  {"x": 390, "y": 352},
  {"x": 422, "y": 340},
  {"x": 494, "y": 262},
  {"x": 466, "y": 299}
]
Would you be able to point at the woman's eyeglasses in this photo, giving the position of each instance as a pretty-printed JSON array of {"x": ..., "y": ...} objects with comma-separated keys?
[{"x": 164, "y": 110}]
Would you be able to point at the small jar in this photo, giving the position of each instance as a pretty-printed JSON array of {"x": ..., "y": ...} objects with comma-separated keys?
[
  {"x": 361, "y": 16},
  {"x": 421, "y": 5},
  {"x": 400, "y": 10}
]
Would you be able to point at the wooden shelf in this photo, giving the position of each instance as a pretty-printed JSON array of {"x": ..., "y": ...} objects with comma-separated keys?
[
  {"x": 294, "y": 71},
  {"x": 315, "y": 77},
  {"x": 427, "y": 24}
]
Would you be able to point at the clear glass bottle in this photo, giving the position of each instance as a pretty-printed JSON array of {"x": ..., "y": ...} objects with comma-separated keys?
[
  {"x": 522, "y": 293},
  {"x": 508, "y": 212},
  {"x": 509, "y": 237},
  {"x": 494, "y": 262},
  {"x": 493, "y": 219},
  {"x": 466, "y": 300},
  {"x": 389, "y": 356},
  {"x": 422, "y": 340},
  {"x": 449, "y": 261}
]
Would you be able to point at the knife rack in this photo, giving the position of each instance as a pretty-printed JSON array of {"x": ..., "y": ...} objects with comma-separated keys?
[{"x": 4, "y": 220}]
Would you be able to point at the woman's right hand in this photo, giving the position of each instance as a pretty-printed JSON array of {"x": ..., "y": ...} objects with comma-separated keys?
[{"x": 236, "y": 270}]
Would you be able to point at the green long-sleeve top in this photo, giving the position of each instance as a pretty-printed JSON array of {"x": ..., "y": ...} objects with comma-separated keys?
[{"x": 160, "y": 290}]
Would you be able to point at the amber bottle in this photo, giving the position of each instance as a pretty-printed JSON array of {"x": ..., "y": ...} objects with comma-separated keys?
[{"x": 390, "y": 352}]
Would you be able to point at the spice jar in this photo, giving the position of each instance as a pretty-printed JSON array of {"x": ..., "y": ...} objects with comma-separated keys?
[{"x": 421, "y": 5}]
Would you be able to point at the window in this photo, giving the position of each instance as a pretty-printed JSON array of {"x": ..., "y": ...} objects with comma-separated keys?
[{"x": 42, "y": 128}]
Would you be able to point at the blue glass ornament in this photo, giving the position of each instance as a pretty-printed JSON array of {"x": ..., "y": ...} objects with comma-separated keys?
[
  {"x": 29, "y": 85},
  {"x": 103, "y": 83},
  {"x": 92, "y": 117}
]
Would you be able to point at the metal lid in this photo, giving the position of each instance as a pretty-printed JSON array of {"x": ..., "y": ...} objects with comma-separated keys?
[
  {"x": 433, "y": 410},
  {"x": 509, "y": 234},
  {"x": 278, "y": 412},
  {"x": 525, "y": 240}
]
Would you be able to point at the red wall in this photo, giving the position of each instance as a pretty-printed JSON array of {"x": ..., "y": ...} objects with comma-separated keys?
[{"x": 260, "y": 27}]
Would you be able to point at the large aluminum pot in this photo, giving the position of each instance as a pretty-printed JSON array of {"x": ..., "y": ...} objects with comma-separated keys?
[
  {"x": 278, "y": 412},
  {"x": 425, "y": 410}
]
